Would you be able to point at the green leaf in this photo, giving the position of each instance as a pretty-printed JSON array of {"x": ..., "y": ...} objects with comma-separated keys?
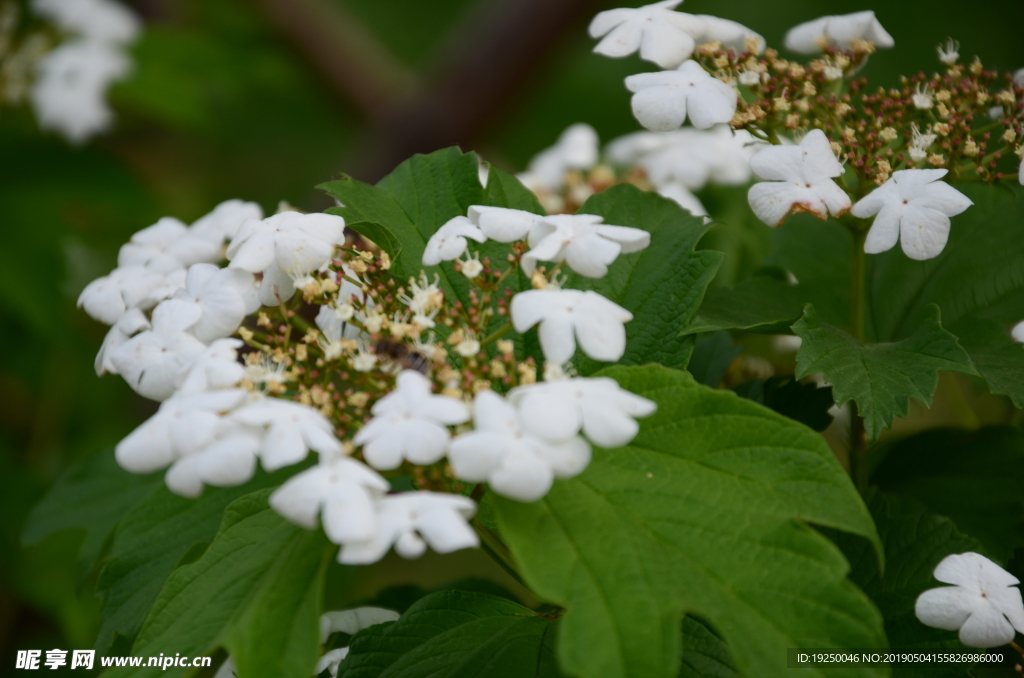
[
  {"x": 706, "y": 513},
  {"x": 806, "y": 403},
  {"x": 456, "y": 634},
  {"x": 974, "y": 477},
  {"x": 92, "y": 495},
  {"x": 995, "y": 354},
  {"x": 150, "y": 542},
  {"x": 662, "y": 285},
  {"x": 256, "y": 591},
  {"x": 704, "y": 653},
  {"x": 915, "y": 540},
  {"x": 880, "y": 378},
  {"x": 711, "y": 358},
  {"x": 378, "y": 234},
  {"x": 761, "y": 304}
]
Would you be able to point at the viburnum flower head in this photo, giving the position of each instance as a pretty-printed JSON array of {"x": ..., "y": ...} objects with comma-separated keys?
[
  {"x": 576, "y": 149},
  {"x": 166, "y": 246},
  {"x": 558, "y": 410},
  {"x": 566, "y": 316},
  {"x": 663, "y": 101},
  {"x": 799, "y": 180},
  {"x": 583, "y": 242},
  {"x": 409, "y": 423},
  {"x": 341, "y": 491},
  {"x": 502, "y": 452},
  {"x": 984, "y": 603},
  {"x": 914, "y": 207},
  {"x": 283, "y": 247},
  {"x": 841, "y": 31},
  {"x": 412, "y": 521},
  {"x": 449, "y": 242}
]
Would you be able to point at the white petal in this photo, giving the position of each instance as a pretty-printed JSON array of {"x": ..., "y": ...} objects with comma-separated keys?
[
  {"x": 923, "y": 232},
  {"x": 944, "y": 608},
  {"x": 503, "y": 224},
  {"x": 523, "y": 476},
  {"x": 885, "y": 230}
]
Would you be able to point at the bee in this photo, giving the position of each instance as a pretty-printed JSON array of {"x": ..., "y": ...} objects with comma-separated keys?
[{"x": 402, "y": 354}]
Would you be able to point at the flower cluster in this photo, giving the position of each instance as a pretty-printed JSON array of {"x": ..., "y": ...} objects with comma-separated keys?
[
  {"x": 860, "y": 153},
  {"x": 66, "y": 84},
  {"x": 301, "y": 343}
]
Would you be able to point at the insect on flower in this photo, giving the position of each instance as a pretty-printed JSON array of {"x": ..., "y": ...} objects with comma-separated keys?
[{"x": 402, "y": 354}]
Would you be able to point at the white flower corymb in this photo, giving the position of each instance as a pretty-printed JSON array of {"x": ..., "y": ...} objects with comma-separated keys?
[
  {"x": 502, "y": 452},
  {"x": 984, "y": 605},
  {"x": 799, "y": 180},
  {"x": 341, "y": 491},
  {"x": 449, "y": 241},
  {"x": 841, "y": 31},
  {"x": 409, "y": 423},
  {"x": 412, "y": 521},
  {"x": 583, "y": 242},
  {"x": 558, "y": 410},
  {"x": 914, "y": 207},
  {"x": 568, "y": 315},
  {"x": 663, "y": 101}
]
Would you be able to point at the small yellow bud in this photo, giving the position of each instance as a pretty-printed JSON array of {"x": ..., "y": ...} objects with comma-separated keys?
[
  {"x": 809, "y": 89},
  {"x": 943, "y": 95},
  {"x": 506, "y": 346},
  {"x": 942, "y": 110},
  {"x": 792, "y": 121},
  {"x": 385, "y": 261},
  {"x": 971, "y": 148},
  {"x": 245, "y": 333},
  {"x": 936, "y": 160},
  {"x": 781, "y": 103},
  {"x": 357, "y": 265},
  {"x": 301, "y": 352},
  {"x": 263, "y": 320},
  {"x": 942, "y": 128},
  {"x": 976, "y": 66},
  {"x": 888, "y": 134}
]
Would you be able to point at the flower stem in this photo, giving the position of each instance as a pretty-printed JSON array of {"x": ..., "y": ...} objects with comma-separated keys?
[
  {"x": 496, "y": 333},
  {"x": 858, "y": 280}
]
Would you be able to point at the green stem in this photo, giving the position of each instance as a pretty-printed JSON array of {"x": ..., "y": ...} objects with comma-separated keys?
[
  {"x": 858, "y": 279},
  {"x": 859, "y": 471},
  {"x": 496, "y": 333}
]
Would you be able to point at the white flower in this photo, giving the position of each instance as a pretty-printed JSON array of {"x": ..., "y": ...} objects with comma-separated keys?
[
  {"x": 215, "y": 367},
  {"x": 663, "y": 101},
  {"x": 341, "y": 491},
  {"x": 167, "y": 246},
  {"x": 922, "y": 97},
  {"x": 468, "y": 347},
  {"x": 984, "y": 603},
  {"x": 576, "y": 149},
  {"x": 130, "y": 324},
  {"x": 808, "y": 38},
  {"x": 749, "y": 78},
  {"x": 502, "y": 452},
  {"x": 182, "y": 425},
  {"x": 919, "y": 144},
  {"x": 291, "y": 429},
  {"x": 558, "y": 410},
  {"x": 662, "y": 36},
  {"x": 800, "y": 180},
  {"x": 582, "y": 241},
  {"x": 151, "y": 361},
  {"x": 915, "y": 207},
  {"x": 409, "y": 423},
  {"x": 71, "y": 83},
  {"x": 950, "y": 52},
  {"x": 286, "y": 244},
  {"x": 502, "y": 223},
  {"x": 412, "y": 521},
  {"x": 106, "y": 299},
  {"x": 225, "y": 220},
  {"x": 832, "y": 73},
  {"x": 97, "y": 20},
  {"x": 226, "y": 460},
  {"x": 1018, "y": 332},
  {"x": 364, "y": 361},
  {"x": 472, "y": 267},
  {"x": 568, "y": 315},
  {"x": 220, "y": 295},
  {"x": 425, "y": 296},
  {"x": 684, "y": 198},
  {"x": 694, "y": 157},
  {"x": 449, "y": 241}
]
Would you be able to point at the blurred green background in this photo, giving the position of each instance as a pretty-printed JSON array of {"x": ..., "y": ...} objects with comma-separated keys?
[{"x": 261, "y": 100}]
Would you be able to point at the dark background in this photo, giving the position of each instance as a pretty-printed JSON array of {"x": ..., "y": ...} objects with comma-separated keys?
[{"x": 261, "y": 100}]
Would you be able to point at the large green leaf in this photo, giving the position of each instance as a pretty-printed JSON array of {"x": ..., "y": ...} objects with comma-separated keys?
[
  {"x": 705, "y": 512},
  {"x": 256, "y": 591},
  {"x": 880, "y": 378},
  {"x": 704, "y": 653},
  {"x": 149, "y": 542},
  {"x": 662, "y": 285},
  {"x": 456, "y": 634},
  {"x": 92, "y": 495},
  {"x": 974, "y": 477},
  {"x": 915, "y": 540}
]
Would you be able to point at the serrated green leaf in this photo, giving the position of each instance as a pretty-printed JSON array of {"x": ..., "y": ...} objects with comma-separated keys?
[
  {"x": 806, "y": 403},
  {"x": 256, "y": 591},
  {"x": 151, "y": 540},
  {"x": 761, "y": 304},
  {"x": 456, "y": 634},
  {"x": 711, "y": 357},
  {"x": 880, "y": 378},
  {"x": 705, "y": 513},
  {"x": 92, "y": 495},
  {"x": 704, "y": 653},
  {"x": 973, "y": 477},
  {"x": 662, "y": 285},
  {"x": 915, "y": 540}
]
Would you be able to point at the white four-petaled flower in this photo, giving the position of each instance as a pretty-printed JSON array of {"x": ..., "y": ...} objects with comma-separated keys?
[
  {"x": 566, "y": 316},
  {"x": 914, "y": 207},
  {"x": 842, "y": 30},
  {"x": 409, "y": 423},
  {"x": 449, "y": 242},
  {"x": 583, "y": 242},
  {"x": 799, "y": 180},
  {"x": 663, "y": 101},
  {"x": 984, "y": 603}
]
